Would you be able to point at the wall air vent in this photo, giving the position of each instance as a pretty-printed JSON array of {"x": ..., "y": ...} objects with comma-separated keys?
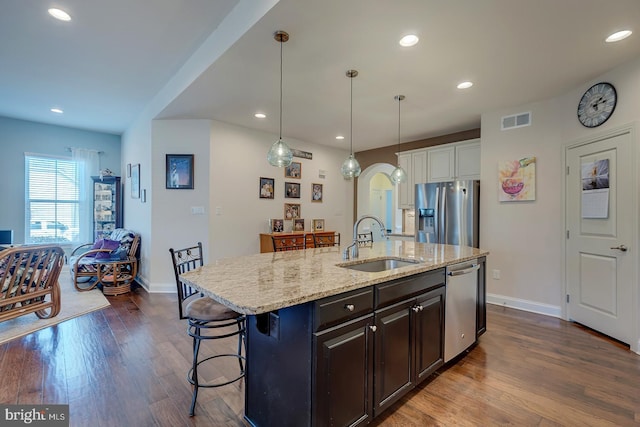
[{"x": 516, "y": 121}]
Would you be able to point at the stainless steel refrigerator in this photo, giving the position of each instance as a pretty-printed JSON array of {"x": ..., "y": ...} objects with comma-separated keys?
[{"x": 448, "y": 212}]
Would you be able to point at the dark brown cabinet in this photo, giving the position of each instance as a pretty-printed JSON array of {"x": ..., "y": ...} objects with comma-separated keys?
[
  {"x": 365, "y": 365},
  {"x": 409, "y": 345},
  {"x": 344, "y": 359},
  {"x": 429, "y": 332},
  {"x": 344, "y": 374}
]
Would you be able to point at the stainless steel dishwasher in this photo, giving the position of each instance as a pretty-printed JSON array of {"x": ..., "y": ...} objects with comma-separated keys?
[{"x": 460, "y": 308}]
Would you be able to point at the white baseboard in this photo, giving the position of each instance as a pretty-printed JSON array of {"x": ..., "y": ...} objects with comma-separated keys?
[
  {"x": 164, "y": 288},
  {"x": 525, "y": 305}
]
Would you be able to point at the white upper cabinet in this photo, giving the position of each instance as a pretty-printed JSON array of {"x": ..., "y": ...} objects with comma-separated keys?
[
  {"x": 414, "y": 164},
  {"x": 405, "y": 200},
  {"x": 441, "y": 164},
  {"x": 468, "y": 160},
  {"x": 457, "y": 161}
]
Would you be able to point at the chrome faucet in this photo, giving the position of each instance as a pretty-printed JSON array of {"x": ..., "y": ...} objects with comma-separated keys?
[{"x": 354, "y": 244}]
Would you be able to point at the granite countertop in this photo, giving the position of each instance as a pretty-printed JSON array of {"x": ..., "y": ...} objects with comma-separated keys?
[{"x": 260, "y": 283}]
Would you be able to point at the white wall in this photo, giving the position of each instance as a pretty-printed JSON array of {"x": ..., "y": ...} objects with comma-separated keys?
[
  {"x": 229, "y": 161},
  {"x": 239, "y": 159},
  {"x": 172, "y": 223},
  {"x": 137, "y": 141},
  {"x": 526, "y": 238}
]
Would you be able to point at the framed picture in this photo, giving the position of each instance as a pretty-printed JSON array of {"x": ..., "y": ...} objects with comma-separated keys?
[
  {"x": 266, "y": 188},
  {"x": 277, "y": 225},
  {"x": 135, "y": 181},
  {"x": 316, "y": 193},
  {"x": 179, "y": 171},
  {"x": 517, "y": 180},
  {"x": 294, "y": 170},
  {"x": 292, "y": 190},
  {"x": 291, "y": 211},
  {"x": 298, "y": 224},
  {"x": 318, "y": 225}
]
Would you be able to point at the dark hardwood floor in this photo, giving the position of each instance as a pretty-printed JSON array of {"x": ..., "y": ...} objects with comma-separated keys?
[{"x": 126, "y": 366}]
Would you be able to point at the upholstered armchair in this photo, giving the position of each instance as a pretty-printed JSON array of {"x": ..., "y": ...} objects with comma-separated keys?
[{"x": 112, "y": 262}]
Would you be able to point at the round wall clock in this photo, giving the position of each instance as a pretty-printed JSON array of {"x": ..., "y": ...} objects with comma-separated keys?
[{"x": 597, "y": 104}]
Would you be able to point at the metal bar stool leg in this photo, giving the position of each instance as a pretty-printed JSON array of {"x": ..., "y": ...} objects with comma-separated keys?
[
  {"x": 240, "y": 342},
  {"x": 194, "y": 373}
]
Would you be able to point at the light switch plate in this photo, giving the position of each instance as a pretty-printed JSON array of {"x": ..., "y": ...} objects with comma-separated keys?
[{"x": 197, "y": 210}]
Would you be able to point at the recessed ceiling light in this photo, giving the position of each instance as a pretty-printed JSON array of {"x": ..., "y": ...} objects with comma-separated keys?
[
  {"x": 339, "y": 137},
  {"x": 465, "y": 85},
  {"x": 60, "y": 14},
  {"x": 260, "y": 115},
  {"x": 409, "y": 40},
  {"x": 616, "y": 37},
  {"x": 57, "y": 110}
]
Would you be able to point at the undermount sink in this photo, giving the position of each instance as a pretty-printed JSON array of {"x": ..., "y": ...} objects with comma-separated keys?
[{"x": 377, "y": 265}]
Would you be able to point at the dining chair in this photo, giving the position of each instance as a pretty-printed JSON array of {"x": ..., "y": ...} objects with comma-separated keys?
[
  {"x": 326, "y": 240},
  {"x": 289, "y": 242},
  {"x": 365, "y": 238}
]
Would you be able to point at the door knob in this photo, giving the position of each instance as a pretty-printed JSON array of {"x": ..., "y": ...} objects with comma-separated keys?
[{"x": 622, "y": 248}]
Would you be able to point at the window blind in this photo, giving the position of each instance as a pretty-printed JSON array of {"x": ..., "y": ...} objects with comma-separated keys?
[{"x": 52, "y": 200}]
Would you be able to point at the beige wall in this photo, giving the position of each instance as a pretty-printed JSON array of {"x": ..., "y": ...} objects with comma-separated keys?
[{"x": 526, "y": 238}]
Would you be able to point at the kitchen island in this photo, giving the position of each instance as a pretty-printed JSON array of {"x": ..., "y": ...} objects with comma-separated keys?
[{"x": 331, "y": 345}]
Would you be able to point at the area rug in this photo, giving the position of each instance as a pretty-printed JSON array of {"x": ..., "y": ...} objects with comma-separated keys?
[{"x": 73, "y": 304}]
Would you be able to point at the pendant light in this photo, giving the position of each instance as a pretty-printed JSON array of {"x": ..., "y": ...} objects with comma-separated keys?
[
  {"x": 280, "y": 154},
  {"x": 351, "y": 167},
  {"x": 398, "y": 175}
]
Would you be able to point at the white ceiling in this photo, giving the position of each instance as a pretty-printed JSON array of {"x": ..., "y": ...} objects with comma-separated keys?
[{"x": 107, "y": 64}]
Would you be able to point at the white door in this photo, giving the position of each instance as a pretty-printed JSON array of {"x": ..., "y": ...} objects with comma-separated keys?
[{"x": 601, "y": 207}]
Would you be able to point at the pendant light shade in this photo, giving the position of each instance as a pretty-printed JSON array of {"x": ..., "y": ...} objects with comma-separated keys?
[
  {"x": 351, "y": 167},
  {"x": 280, "y": 154},
  {"x": 398, "y": 175}
]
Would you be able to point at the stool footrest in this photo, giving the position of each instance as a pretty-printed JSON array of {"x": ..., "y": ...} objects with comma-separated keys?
[{"x": 209, "y": 385}]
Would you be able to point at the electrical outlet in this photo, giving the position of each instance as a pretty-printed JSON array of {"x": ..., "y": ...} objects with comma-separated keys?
[{"x": 496, "y": 274}]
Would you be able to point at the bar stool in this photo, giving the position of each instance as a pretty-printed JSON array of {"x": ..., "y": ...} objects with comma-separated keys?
[{"x": 207, "y": 319}]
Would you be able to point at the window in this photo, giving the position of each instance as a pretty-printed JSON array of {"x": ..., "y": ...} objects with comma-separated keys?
[{"x": 52, "y": 199}]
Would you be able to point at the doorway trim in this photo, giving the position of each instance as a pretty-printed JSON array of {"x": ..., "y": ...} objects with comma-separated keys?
[
  {"x": 363, "y": 186},
  {"x": 631, "y": 129}
]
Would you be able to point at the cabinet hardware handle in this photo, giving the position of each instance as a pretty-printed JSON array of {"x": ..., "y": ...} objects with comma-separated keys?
[
  {"x": 622, "y": 248},
  {"x": 421, "y": 307},
  {"x": 415, "y": 309},
  {"x": 350, "y": 307},
  {"x": 373, "y": 328}
]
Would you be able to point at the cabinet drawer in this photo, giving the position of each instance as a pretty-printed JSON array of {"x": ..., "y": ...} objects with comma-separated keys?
[
  {"x": 397, "y": 290},
  {"x": 339, "y": 308}
]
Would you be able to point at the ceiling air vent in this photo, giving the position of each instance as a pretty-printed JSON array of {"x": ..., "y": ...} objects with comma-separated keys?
[{"x": 516, "y": 121}]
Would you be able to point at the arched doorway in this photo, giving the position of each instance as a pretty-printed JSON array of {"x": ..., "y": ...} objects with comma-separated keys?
[{"x": 378, "y": 196}]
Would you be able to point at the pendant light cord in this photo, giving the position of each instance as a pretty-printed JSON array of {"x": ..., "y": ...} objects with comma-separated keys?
[
  {"x": 281, "y": 42},
  {"x": 351, "y": 120},
  {"x": 399, "y": 123}
]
